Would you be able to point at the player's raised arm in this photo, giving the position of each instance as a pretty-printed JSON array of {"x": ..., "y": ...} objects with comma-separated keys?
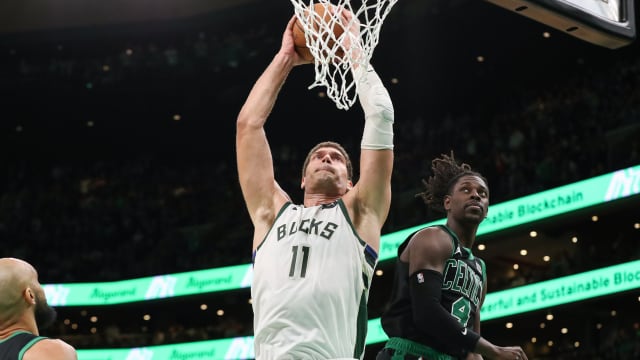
[
  {"x": 262, "y": 194},
  {"x": 373, "y": 191},
  {"x": 371, "y": 196}
]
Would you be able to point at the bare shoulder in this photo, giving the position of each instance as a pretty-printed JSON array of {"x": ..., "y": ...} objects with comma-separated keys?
[
  {"x": 428, "y": 249},
  {"x": 431, "y": 239},
  {"x": 51, "y": 349}
]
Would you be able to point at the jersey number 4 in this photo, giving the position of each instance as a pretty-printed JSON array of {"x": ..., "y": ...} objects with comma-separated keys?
[
  {"x": 461, "y": 310},
  {"x": 304, "y": 250}
]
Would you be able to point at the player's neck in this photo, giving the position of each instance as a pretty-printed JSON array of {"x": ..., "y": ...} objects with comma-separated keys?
[
  {"x": 9, "y": 330},
  {"x": 312, "y": 199},
  {"x": 465, "y": 233}
]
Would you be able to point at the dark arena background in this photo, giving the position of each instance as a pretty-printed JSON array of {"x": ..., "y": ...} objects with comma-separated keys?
[{"x": 118, "y": 179}]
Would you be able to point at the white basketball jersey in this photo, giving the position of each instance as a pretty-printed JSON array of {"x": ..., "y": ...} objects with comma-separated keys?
[{"x": 311, "y": 281}]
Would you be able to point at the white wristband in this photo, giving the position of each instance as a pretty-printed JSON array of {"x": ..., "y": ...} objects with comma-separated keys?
[{"x": 378, "y": 111}]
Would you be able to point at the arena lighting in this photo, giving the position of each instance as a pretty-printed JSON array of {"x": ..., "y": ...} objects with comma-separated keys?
[
  {"x": 598, "y": 190},
  {"x": 568, "y": 289}
]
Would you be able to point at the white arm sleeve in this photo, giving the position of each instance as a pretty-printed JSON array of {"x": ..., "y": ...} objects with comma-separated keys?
[{"x": 378, "y": 111}]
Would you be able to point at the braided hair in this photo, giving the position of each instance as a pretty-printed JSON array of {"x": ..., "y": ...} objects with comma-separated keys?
[{"x": 446, "y": 172}]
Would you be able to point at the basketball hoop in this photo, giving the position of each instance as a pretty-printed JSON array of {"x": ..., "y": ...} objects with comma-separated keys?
[{"x": 337, "y": 53}]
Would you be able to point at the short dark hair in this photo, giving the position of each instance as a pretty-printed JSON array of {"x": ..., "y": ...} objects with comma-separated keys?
[
  {"x": 336, "y": 146},
  {"x": 446, "y": 172}
]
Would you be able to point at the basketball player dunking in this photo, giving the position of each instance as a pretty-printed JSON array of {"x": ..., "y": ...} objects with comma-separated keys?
[{"x": 313, "y": 262}]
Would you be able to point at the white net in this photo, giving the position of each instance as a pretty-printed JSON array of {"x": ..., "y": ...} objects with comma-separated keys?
[{"x": 341, "y": 34}]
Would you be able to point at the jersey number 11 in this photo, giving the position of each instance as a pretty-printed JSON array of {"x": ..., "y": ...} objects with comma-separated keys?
[{"x": 294, "y": 259}]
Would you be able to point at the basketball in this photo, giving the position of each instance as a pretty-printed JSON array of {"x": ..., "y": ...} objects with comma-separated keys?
[
  {"x": 300, "y": 42},
  {"x": 321, "y": 19}
]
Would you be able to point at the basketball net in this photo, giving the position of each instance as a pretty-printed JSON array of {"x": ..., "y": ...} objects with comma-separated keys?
[{"x": 334, "y": 56}]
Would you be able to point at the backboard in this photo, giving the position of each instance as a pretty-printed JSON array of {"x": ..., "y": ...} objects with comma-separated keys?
[{"x": 607, "y": 23}]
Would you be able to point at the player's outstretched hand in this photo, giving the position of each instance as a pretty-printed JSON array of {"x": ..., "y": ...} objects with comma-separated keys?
[
  {"x": 288, "y": 45},
  {"x": 351, "y": 41},
  {"x": 510, "y": 353},
  {"x": 491, "y": 351}
]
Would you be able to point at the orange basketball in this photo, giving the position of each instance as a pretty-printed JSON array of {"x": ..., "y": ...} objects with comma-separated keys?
[
  {"x": 300, "y": 42},
  {"x": 323, "y": 12}
]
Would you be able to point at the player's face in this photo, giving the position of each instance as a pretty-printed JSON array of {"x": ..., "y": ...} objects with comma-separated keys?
[
  {"x": 327, "y": 167},
  {"x": 469, "y": 199}
]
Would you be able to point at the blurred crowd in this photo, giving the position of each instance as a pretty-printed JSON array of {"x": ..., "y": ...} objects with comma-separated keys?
[
  {"x": 141, "y": 214},
  {"x": 148, "y": 204}
]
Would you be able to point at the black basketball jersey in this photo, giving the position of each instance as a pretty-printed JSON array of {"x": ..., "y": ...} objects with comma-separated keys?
[
  {"x": 14, "y": 346},
  {"x": 462, "y": 287}
]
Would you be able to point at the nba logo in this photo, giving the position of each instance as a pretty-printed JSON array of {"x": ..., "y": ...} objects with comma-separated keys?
[{"x": 420, "y": 278}]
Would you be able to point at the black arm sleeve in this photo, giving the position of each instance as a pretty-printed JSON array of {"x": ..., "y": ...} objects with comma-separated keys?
[{"x": 433, "y": 320}]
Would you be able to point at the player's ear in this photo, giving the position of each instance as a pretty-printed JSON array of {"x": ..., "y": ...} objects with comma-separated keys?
[
  {"x": 302, "y": 183},
  {"x": 447, "y": 202},
  {"x": 29, "y": 296}
]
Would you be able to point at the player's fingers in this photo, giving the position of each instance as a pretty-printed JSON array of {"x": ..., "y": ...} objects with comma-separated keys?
[
  {"x": 291, "y": 22},
  {"x": 346, "y": 14},
  {"x": 519, "y": 354},
  {"x": 351, "y": 23}
]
